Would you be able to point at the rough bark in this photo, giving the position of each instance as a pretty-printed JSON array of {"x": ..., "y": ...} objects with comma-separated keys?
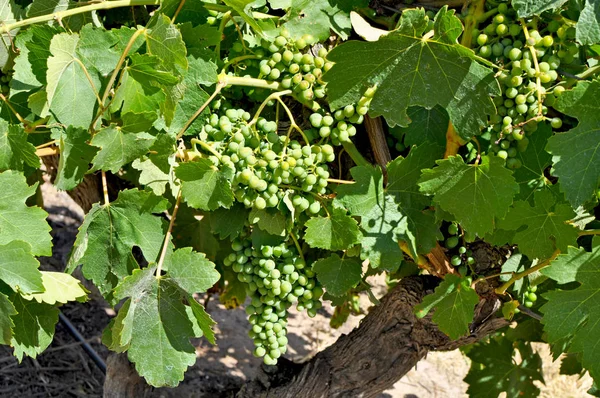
[
  {"x": 387, "y": 344},
  {"x": 122, "y": 380}
]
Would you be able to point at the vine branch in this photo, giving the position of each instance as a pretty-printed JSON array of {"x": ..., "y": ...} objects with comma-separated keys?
[{"x": 502, "y": 289}]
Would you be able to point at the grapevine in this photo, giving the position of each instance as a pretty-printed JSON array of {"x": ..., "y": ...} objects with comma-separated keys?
[{"x": 229, "y": 147}]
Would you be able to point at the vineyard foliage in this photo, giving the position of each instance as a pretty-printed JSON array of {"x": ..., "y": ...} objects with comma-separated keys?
[{"x": 237, "y": 129}]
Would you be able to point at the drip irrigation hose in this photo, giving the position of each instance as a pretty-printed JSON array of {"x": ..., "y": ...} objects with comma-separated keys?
[{"x": 86, "y": 347}]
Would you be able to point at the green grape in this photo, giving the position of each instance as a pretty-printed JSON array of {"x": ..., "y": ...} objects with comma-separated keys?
[
  {"x": 452, "y": 229},
  {"x": 451, "y": 242}
]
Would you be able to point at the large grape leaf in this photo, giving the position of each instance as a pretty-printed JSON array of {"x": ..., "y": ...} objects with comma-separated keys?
[
  {"x": 10, "y": 12},
  {"x": 494, "y": 369},
  {"x": 454, "y": 301},
  {"x": 366, "y": 192},
  {"x": 588, "y": 25},
  {"x": 204, "y": 186},
  {"x": 19, "y": 222},
  {"x": 159, "y": 341},
  {"x": 109, "y": 232},
  {"x": 228, "y": 222},
  {"x": 7, "y": 310},
  {"x": 528, "y": 8},
  {"x": 164, "y": 41},
  {"x": 156, "y": 168},
  {"x": 338, "y": 275},
  {"x": 272, "y": 221},
  {"x": 72, "y": 89},
  {"x": 412, "y": 70},
  {"x": 59, "y": 287},
  {"x": 547, "y": 228},
  {"x": 192, "y": 271},
  {"x": 157, "y": 326},
  {"x": 574, "y": 315},
  {"x": 337, "y": 231},
  {"x": 15, "y": 151},
  {"x": 75, "y": 158},
  {"x": 576, "y": 153},
  {"x": 535, "y": 160},
  {"x": 426, "y": 125},
  {"x": 488, "y": 188},
  {"x": 19, "y": 268},
  {"x": 34, "y": 327},
  {"x": 119, "y": 147}
]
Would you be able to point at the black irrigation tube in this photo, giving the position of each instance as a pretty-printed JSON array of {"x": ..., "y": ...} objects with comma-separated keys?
[{"x": 86, "y": 347}]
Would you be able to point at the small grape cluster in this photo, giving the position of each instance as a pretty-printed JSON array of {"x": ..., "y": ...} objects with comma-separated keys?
[
  {"x": 519, "y": 108},
  {"x": 339, "y": 124},
  {"x": 267, "y": 165},
  {"x": 276, "y": 277},
  {"x": 529, "y": 297},
  {"x": 462, "y": 258},
  {"x": 5, "y": 79}
]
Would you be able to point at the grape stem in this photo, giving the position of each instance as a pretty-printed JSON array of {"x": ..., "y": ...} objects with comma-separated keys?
[
  {"x": 354, "y": 154},
  {"x": 224, "y": 20},
  {"x": 47, "y": 144},
  {"x": 236, "y": 60},
  {"x": 293, "y": 122},
  {"x": 369, "y": 292},
  {"x": 218, "y": 89},
  {"x": 589, "y": 232},
  {"x": 337, "y": 181},
  {"x": 536, "y": 65},
  {"x": 204, "y": 145},
  {"x": 105, "y": 189},
  {"x": 17, "y": 115},
  {"x": 165, "y": 246},
  {"x": 247, "y": 81},
  {"x": 485, "y": 278},
  {"x": 297, "y": 244},
  {"x": 264, "y": 104},
  {"x": 502, "y": 289},
  {"x": 102, "y": 5}
]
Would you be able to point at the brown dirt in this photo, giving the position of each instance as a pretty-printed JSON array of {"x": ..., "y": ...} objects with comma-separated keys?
[{"x": 65, "y": 370}]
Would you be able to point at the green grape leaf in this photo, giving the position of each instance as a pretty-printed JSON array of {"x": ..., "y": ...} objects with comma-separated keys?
[
  {"x": 228, "y": 222},
  {"x": 69, "y": 83},
  {"x": 147, "y": 68},
  {"x": 270, "y": 220},
  {"x": 338, "y": 275},
  {"x": 96, "y": 49},
  {"x": 19, "y": 222},
  {"x": 576, "y": 153},
  {"x": 7, "y": 311},
  {"x": 189, "y": 231},
  {"x": 494, "y": 369},
  {"x": 244, "y": 9},
  {"x": 159, "y": 341},
  {"x": 203, "y": 320},
  {"x": 588, "y": 25},
  {"x": 366, "y": 192},
  {"x": 547, "y": 227},
  {"x": 572, "y": 315},
  {"x": 164, "y": 41},
  {"x": 405, "y": 68},
  {"x": 75, "y": 156},
  {"x": 420, "y": 230},
  {"x": 452, "y": 181},
  {"x": 25, "y": 77},
  {"x": 156, "y": 168},
  {"x": 137, "y": 96},
  {"x": 535, "y": 159},
  {"x": 109, "y": 232},
  {"x": 426, "y": 125},
  {"x": 204, "y": 186},
  {"x": 192, "y": 271},
  {"x": 119, "y": 147},
  {"x": 528, "y": 8},
  {"x": 19, "y": 268},
  {"x": 319, "y": 17},
  {"x": 117, "y": 335},
  {"x": 58, "y": 288},
  {"x": 15, "y": 151},
  {"x": 382, "y": 227},
  {"x": 10, "y": 12},
  {"x": 454, "y": 301},
  {"x": 199, "y": 72},
  {"x": 337, "y": 231},
  {"x": 34, "y": 327}
]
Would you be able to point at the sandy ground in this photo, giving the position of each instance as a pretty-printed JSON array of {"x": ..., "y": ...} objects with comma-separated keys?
[{"x": 230, "y": 362}]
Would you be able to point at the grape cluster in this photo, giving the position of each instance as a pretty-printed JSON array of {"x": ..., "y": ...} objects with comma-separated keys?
[
  {"x": 284, "y": 61},
  {"x": 462, "y": 257},
  {"x": 339, "y": 124},
  {"x": 276, "y": 277},
  {"x": 5, "y": 79},
  {"x": 267, "y": 165},
  {"x": 529, "y": 297},
  {"x": 518, "y": 108}
]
